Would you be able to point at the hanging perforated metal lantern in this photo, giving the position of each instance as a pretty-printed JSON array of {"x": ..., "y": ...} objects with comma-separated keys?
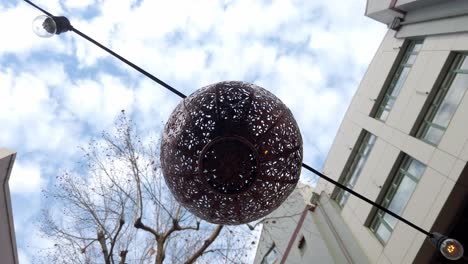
[{"x": 231, "y": 153}]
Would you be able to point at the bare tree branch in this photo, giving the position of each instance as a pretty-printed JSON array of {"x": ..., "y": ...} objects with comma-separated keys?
[
  {"x": 102, "y": 242},
  {"x": 205, "y": 245},
  {"x": 120, "y": 180},
  {"x": 121, "y": 223}
]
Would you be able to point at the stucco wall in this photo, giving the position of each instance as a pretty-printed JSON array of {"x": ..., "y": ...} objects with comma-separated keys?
[
  {"x": 279, "y": 227},
  {"x": 444, "y": 162}
]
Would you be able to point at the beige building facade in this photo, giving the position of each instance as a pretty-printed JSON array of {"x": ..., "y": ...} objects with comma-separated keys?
[
  {"x": 301, "y": 232},
  {"x": 404, "y": 139},
  {"x": 403, "y": 143},
  {"x": 8, "y": 252}
]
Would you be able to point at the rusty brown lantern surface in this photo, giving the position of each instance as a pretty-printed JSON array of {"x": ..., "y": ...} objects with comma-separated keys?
[{"x": 231, "y": 153}]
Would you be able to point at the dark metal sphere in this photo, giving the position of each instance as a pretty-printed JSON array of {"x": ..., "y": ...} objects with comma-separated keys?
[{"x": 231, "y": 153}]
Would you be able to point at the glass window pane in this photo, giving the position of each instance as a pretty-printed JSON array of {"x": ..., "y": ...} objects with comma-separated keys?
[
  {"x": 357, "y": 164},
  {"x": 417, "y": 47},
  {"x": 416, "y": 169},
  {"x": 433, "y": 135},
  {"x": 397, "y": 196},
  {"x": 464, "y": 65},
  {"x": 400, "y": 199},
  {"x": 366, "y": 150},
  {"x": 401, "y": 80},
  {"x": 390, "y": 192},
  {"x": 357, "y": 171},
  {"x": 389, "y": 103},
  {"x": 459, "y": 84},
  {"x": 445, "y": 103},
  {"x": 397, "y": 81},
  {"x": 438, "y": 99},
  {"x": 354, "y": 170},
  {"x": 339, "y": 194},
  {"x": 344, "y": 199},
  {"x": 384, "y": 115},
  {"x": 369, "y": 143},
  {"x": 271, "y": 256},
  {"x": 451, "y": 100},
  {"x": 390, "y": 220},
  {"x": 444, "y": 114},
  {"x": 384, "y": 101},
  {"x": 430, "y": 114},
  {"x": 383, "y": 233},
  {"x": 411, "y": 59},
  {"x": 374, "y": 224}
]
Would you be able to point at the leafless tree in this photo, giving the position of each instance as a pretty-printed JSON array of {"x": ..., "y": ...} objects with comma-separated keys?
[{"x": 115, "y": 208}]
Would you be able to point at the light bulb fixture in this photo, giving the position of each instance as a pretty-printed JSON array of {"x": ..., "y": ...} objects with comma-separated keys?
[
  {"x": 450, "y": 248},
  {"x": 46, "y": 26}
]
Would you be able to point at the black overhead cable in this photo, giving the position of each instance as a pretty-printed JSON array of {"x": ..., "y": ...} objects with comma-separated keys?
[
  {"x": 323, "y": 176},
  {"x": 37, "y": 7},
  {"x": 129, "y": 63},
  {"x": 175, "y": 91}
]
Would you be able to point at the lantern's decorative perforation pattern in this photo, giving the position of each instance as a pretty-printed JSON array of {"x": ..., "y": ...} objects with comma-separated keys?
[{"x": 231, "y": 152}]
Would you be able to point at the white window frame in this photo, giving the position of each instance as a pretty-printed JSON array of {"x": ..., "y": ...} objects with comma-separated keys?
[
  {"x": 386, "y": 103},
  {"x": 355, "y": 165},
  {"x": 406, "y": 172},
  {"x": 272, "y": 255},
  {"x": 431, "y": 131}
]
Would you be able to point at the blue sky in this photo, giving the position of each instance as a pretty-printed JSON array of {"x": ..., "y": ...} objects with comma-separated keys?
[{"x": 58, "y": 93}]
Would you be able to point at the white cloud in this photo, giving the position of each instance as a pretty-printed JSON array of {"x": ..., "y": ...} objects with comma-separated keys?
[
  {"x": 153, "y": 103},
  {"x": 25, "y": 178},
  {"x": 30, "y": 115},
  {"x": 57, "y": 92},
  {"x": 35, "y": 241},
  {"x": 23, "y": 257},
  {"x": 77, "y": 4},
  {"x": 17, "y": 34},
  {"x": 98, "y": 101}
]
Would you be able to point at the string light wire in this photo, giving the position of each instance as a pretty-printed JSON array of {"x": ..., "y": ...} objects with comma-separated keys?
[{"x": 180, "y": 94}]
